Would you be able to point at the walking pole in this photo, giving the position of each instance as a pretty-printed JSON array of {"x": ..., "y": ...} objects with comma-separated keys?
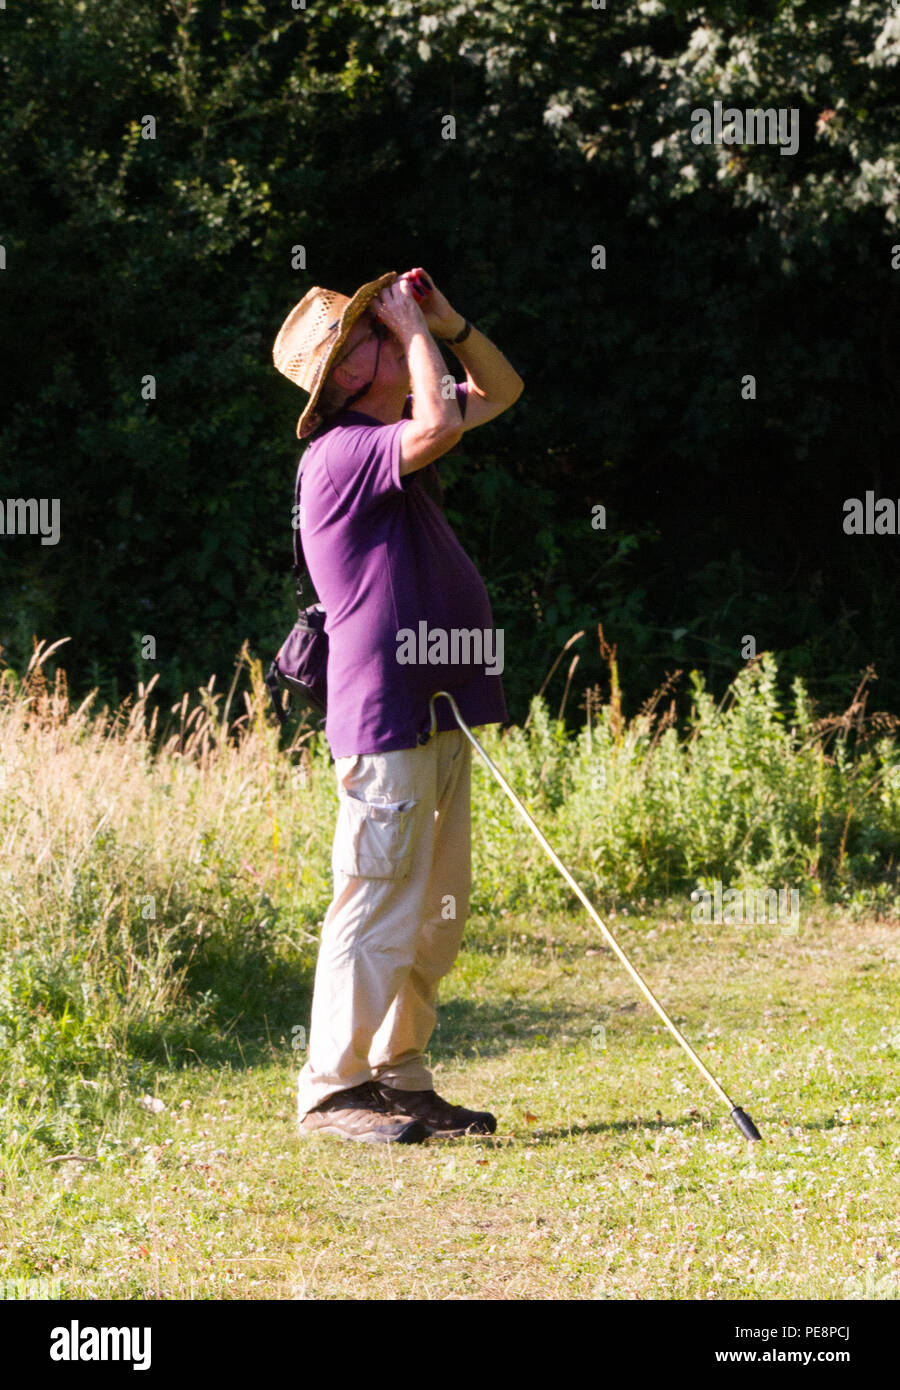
[{"x": 739, "y": 1116}]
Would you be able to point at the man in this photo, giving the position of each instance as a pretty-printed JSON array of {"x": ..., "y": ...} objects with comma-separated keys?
[{"x": 384, "y": 561}]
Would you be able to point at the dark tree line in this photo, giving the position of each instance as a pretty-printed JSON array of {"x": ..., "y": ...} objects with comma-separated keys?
[{"x": 173, "y": 258}]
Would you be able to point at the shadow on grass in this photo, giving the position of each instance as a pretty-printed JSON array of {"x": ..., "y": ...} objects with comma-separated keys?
[
  {"x": 767, "y": 1124},
  {"x": 637, "y": 1122},
  {"x": 242, "y": 1004},
  {"x": 489, "y": 1028}
]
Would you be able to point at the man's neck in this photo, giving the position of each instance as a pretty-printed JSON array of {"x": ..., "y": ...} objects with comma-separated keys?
[{"x": 384, "y": 406}]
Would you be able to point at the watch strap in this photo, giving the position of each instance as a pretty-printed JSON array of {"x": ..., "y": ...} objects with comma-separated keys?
[{"x": 461, "y": 337}]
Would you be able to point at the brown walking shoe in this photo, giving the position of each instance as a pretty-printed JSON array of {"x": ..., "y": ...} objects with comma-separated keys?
[
  {"x": 360, "y": 1112},
  {"x": 443, "y": 1120}
]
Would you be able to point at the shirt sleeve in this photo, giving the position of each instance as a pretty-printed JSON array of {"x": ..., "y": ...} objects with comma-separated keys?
[
  {"x": 363, "y": 464},
  {"x": 363, "y": 461}
]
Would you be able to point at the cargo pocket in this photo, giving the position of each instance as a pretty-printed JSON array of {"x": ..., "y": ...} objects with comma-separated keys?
[{"x": 374, "y": 841}]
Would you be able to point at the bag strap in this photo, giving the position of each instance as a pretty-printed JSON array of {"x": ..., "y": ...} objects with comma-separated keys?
[{"x": 299, "y": 558}]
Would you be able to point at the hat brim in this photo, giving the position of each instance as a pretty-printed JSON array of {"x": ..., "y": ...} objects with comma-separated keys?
[{"x": 352, "y": 310}]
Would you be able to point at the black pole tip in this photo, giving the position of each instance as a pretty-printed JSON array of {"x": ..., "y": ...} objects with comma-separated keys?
[{"x": 745, "y": 1124}]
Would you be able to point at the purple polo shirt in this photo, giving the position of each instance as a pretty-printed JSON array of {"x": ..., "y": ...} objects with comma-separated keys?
[{"x": 384, "y": 561}]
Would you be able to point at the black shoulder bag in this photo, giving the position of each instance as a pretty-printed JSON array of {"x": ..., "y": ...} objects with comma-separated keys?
[{"x": 301, "y": 664}]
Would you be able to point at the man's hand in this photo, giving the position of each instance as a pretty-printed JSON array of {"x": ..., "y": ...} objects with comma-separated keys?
[
  {"x": 398, "y": 309},
  {"x": 441, "y": 318}
]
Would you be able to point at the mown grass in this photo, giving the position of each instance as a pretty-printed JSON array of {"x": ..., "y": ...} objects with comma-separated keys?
[
  {"x": 161, "y": 894},
  {"x": 614, "y": 1172}
]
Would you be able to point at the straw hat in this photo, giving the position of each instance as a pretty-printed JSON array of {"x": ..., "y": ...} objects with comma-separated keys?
[{"x": 311, "y": 336}]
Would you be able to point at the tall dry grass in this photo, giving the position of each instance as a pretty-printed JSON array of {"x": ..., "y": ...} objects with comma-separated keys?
[{"x": 131, "y": 861}]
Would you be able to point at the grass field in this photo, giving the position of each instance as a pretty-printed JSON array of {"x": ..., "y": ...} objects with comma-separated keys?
[
  {"x": 614, "y": 1174},
  {"x": 159, "y": 906}
]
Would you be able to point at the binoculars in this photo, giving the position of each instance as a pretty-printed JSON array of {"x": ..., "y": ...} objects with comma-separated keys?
[{"x": 419, "y": 283}]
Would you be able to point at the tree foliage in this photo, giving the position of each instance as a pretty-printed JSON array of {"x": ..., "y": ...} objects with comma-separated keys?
[{"x": 129, "y": 257}]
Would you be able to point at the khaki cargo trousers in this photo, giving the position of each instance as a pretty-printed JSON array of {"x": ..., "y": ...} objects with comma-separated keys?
[{"x": 402, "y": 870}]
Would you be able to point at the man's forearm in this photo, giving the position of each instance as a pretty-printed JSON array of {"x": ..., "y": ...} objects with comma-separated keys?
[
  {"x": 427, "y": 370},
  {"x": 486, "y": 367}
]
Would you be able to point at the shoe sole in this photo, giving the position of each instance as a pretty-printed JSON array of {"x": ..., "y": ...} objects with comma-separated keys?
[{"x": 413, "y": 1133}]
